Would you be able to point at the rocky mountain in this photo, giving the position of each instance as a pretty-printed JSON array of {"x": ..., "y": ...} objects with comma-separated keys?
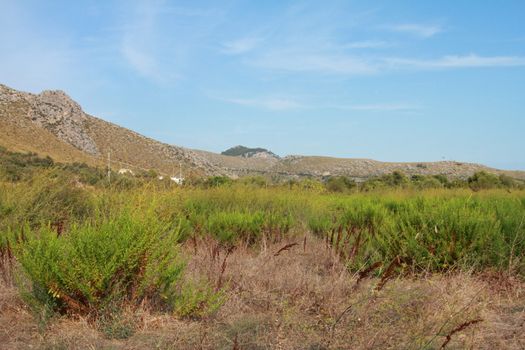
[{"x": 51, "y": 123}]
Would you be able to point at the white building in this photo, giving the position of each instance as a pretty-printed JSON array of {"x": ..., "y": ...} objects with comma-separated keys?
[{"x": 177, "y": 180}]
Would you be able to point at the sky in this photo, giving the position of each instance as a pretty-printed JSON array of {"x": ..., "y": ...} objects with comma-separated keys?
[{"x": 386, "y": 80}]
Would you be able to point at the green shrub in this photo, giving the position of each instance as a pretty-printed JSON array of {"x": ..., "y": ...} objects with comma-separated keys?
[
  {"x": 308, "y": 185},
  {"x": 120, "y": 260},
  {"x": 196, "y": 300},
  {"x": 217, "y": 181},
  {"x": 55, "y": 198},
  {"x": 428, "y": 232},
  {"x": 422, "y": 182},
  {"x": 483, "y": 180},
  {"x": 340, "y": 184},
  {"x": 232, "y": 227}
]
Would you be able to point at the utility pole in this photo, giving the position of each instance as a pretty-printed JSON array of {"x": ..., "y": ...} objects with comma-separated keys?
[
  {"x": 180, "y": 171},
  {"x": 109, "y": 166},
  {"x": 172, "y": 174}
]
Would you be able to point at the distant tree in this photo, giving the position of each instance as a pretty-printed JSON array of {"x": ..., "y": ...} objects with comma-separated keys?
[
  {"x": 217, "y": 181},
  {"x": 483, "y": 180},
  {"x": 341, "y": 184},
  {"x": 507, "y": 181},
  {"x": 421, "y": 182},
  {"x": 395, "y": 179},
  {"x": 256, "y": 181},
  {"x": 442, "y": 178},
  {"x": 398, "y": 178},
  {"x": 311, "y": 185}
]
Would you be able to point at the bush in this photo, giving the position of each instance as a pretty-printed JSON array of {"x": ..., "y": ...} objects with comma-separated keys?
[
  {"x": 307, "y": 185},
  {"x": 429, "y": 233},
  {"x": 55, "y": 198},
  {"x": 119, "y": 261},
  {"x": 196, "y": 300},
  {"x": 255, "y": 181},
  {"x": 421, "y": 181},
  {"x": 483, "y": 180},
  {"x": 507, "y": 181},
  {"x": 340, "y": 184},
  {"x": 395, "y": 179},
  {"x": 232, "y": 227},
  {"x": 217, "y": 181},
  {"x": 16, "y": 166}
]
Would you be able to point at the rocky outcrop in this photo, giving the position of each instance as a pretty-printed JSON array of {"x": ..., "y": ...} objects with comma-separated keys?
[{"x": 56, "y": 112}]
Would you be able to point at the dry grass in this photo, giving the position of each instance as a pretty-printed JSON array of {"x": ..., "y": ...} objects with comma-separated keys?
[{"x": 303, "y": 298}]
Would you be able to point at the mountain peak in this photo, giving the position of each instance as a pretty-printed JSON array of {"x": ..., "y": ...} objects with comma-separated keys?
[{"x": 247, "y": 152}]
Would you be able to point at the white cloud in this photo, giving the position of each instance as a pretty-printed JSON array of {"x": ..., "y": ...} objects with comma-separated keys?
[
  {"x": 239, "y": 46},
  {"x": 420, "y": 30},
  {"x": 455, "y": 61}
]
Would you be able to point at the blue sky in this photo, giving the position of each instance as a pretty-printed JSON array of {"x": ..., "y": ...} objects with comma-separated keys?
[{"x": 388, "y": 80}]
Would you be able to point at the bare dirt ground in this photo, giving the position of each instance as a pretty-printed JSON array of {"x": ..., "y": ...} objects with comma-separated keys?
[{"x": 302, "y": 298}]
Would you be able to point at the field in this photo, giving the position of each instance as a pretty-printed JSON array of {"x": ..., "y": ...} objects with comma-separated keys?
[{"x": 249, "y": 264}]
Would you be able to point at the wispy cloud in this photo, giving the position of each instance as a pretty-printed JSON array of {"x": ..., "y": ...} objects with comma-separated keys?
[
  {"x": 326, "y": 63},
  {"x": 240, "y": 46},
  {"x": 455, "y": 61},
  {"x": 420, "y": 30},
  {"x": 380, "y": 107},
  {"x": 157, "y": 39},
  {"x": 286, "y": 103},
  {"x": 368, "y": 44},
  {"x": 140, "y": 59},
  {"x": 267, "y": 103},
  {"x": 352, "y": 65},
  {"x": 138, "y": 39}
]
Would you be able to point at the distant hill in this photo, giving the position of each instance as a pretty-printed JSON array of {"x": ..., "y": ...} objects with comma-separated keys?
[
  {"x": 52, "y": 124},
  {"x": 246, "y": 152}
]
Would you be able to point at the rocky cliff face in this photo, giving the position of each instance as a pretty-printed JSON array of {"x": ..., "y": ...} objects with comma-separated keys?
[{"x": 56, "y": 112}]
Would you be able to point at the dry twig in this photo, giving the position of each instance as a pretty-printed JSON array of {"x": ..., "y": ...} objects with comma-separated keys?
[{"x": 286, "y": 247}]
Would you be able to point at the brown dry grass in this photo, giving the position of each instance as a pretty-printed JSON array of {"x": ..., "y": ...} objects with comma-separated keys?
[{"x": 301, "y": 299}]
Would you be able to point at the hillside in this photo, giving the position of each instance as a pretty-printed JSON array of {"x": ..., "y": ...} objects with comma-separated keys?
[{"x": 52, "y": 124}]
